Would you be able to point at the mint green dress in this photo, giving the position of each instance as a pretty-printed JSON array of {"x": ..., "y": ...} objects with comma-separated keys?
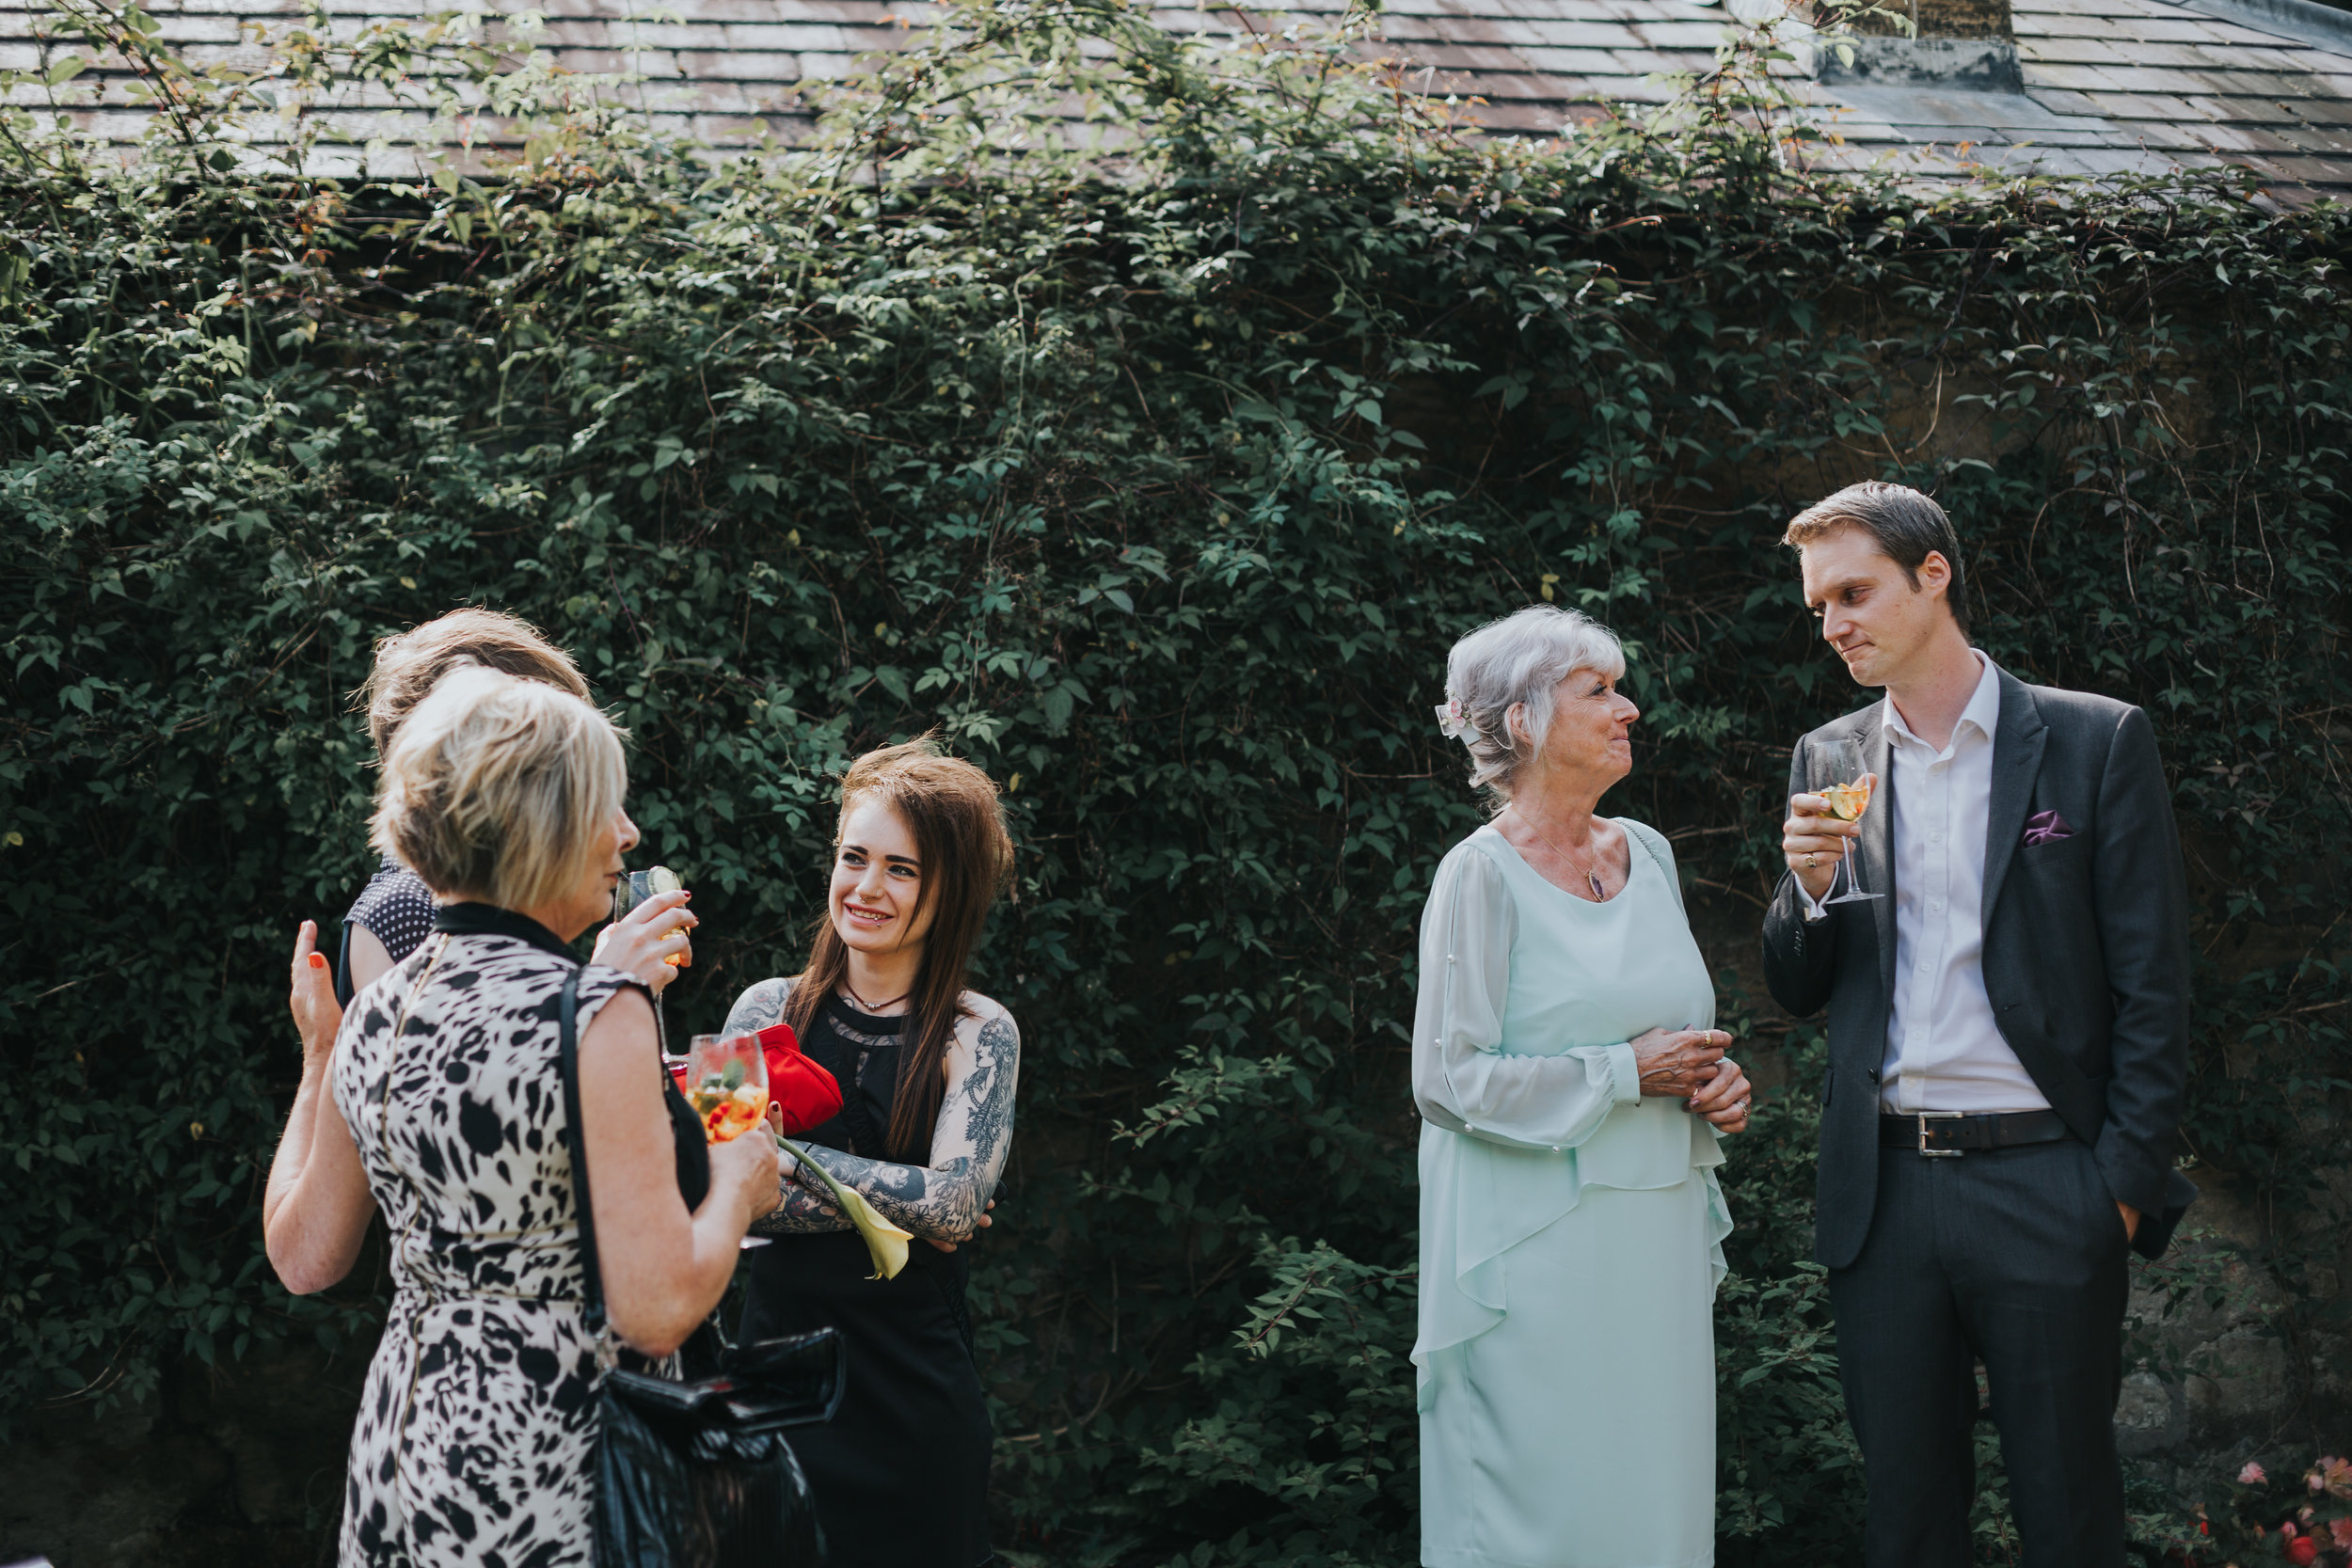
[{"x": 1571, "y": 1230}]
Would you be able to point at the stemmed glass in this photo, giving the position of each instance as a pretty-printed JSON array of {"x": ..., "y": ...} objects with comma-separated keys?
[
  {"x": 1847, "y": 802},
  {"x": 726, "y": 1082}
]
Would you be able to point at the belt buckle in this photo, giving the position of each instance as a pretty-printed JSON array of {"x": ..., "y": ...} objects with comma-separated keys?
[{"x": 1925, "y": 1116}]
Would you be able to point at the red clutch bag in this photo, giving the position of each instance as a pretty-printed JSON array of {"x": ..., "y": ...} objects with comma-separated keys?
[{"x": 805, "y": 1093}]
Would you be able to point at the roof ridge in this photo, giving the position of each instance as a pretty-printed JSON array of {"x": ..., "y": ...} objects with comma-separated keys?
[{"x": 2313, "y": 23}]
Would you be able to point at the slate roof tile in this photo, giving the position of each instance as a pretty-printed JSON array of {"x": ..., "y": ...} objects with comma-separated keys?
[
  {"x": 2134, "y": 106},
  {"x": 2063, "y": 101},
  {"x": 2317, "y": 171},
  {"x": 2110, "y": 84},
  {"x": 2078, "y": 78},
  {"x": 2318, "y": 138},
  {"x": 1575, "y": 62},
  {"x": 2078, "y": 51}
]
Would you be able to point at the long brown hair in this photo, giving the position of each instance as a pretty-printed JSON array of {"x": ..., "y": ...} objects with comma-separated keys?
[{"x": 960, "y": 834}]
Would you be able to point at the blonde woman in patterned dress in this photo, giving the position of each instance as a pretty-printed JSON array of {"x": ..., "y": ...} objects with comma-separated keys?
[{"x": 475, "y": 1435}]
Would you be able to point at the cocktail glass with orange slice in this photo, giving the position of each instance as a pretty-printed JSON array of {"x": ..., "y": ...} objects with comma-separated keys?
[
  {"x": 1847, "y": 802},
  {"x": 726, "y": 1083}
]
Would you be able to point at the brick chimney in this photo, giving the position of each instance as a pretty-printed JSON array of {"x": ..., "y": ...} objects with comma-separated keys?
[{"x": 1967, "y": 44}]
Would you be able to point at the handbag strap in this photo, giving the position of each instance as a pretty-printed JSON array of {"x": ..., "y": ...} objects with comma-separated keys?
[{"x": 567, "y": 1068}]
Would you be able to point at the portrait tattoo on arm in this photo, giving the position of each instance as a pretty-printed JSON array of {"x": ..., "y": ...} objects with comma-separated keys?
[
  {"x": 943, "y": 1200},
  {"x": 759, "y": 1007}
]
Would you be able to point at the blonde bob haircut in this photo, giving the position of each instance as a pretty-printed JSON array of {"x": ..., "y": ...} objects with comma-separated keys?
[{"x": 496, "y": 788}]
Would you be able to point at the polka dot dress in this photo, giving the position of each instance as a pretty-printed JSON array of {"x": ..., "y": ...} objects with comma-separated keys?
[{"x": 396, "y": 907}]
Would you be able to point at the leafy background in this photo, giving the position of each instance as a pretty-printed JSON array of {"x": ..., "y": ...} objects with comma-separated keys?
[{"x": 1156, "y": 466}]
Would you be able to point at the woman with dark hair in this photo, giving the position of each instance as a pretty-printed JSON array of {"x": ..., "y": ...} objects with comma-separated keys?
[{"x": 926, "y": 1070}]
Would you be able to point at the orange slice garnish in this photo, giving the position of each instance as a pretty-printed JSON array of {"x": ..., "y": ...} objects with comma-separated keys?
[{"x": 1847, "y": 802}]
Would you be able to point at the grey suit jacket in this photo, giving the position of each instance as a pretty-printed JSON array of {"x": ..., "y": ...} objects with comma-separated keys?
[{"x": 2085, "y": 953}]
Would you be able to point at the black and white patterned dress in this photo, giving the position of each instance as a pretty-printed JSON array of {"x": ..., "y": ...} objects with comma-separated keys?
[{"x": 474, "y": 1436}]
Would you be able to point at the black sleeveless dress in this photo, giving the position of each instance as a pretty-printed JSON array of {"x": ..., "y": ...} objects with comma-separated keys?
[{"x": 901, "y": 1475}]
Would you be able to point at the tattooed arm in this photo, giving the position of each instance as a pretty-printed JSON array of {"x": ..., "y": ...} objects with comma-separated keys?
[
  {"x": 945, "y": 1200},
  {"x": 801, "y": 1212}
]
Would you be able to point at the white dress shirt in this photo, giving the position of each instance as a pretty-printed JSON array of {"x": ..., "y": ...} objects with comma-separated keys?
[{"x": 1944, "y": 1052}]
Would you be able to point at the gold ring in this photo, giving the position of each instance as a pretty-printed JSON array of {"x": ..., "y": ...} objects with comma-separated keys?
[{"x": 1812, "y": 863}]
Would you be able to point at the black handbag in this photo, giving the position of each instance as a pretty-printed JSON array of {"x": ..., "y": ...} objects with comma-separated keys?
[{"x": 697, "y": 1474}]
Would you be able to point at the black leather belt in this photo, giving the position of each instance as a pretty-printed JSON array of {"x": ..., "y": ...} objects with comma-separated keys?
[{"x": 1942, "y": 1134}]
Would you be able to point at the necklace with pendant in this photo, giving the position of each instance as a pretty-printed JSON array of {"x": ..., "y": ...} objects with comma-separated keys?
[
  {"x": 1592, "y": 879},
  {"x": 875, "y": 1007}
]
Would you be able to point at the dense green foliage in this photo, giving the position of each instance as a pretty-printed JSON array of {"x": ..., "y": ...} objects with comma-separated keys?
[{"x": 1162, "y": 495}]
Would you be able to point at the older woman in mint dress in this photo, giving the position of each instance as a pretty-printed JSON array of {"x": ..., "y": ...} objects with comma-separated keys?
[{"x": 1573, "y": 1090}]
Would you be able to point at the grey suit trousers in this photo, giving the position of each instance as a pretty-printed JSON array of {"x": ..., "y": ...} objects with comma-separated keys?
[{"x": 2016, "y": 1257}]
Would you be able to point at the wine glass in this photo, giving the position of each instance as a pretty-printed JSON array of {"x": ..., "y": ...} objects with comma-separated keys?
[
  {"x": 1847, "y": 802},
  {"x": 635, "y": 887},
  {"x": 726, "y": 1082}
]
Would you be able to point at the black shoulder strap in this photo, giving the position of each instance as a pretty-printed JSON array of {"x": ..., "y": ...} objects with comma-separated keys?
[{"x": 567, "y": 1067}]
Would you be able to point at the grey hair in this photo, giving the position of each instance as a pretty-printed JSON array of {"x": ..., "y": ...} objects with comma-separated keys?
[{"x": 1516, "y": 663}]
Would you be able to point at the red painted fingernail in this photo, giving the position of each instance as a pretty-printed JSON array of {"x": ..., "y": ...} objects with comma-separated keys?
[{"x": 318, "y": 961}]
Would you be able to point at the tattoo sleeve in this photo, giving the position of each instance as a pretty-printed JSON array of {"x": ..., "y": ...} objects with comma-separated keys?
[
  {"x": 944, "y": 1200},
  {"x": 759, "y": 1007},
  {"x": 801, "y": 1212}
]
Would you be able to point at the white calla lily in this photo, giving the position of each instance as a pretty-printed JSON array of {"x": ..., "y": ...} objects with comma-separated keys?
[{"x": 886, "y": 1243}]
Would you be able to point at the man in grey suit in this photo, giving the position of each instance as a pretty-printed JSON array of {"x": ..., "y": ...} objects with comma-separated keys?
[{"x": 2008, "y": 1031}]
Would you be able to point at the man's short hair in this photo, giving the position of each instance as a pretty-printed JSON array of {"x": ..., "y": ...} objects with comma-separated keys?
[{"x": 1906, "y": 525}]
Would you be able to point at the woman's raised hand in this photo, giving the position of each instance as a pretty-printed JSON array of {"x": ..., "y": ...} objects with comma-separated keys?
[
  {"x": 316, "y": 1013},
  {"x": 641, "y": 942},
  {"x": 747, "y": 1167},
  {"x": 1724, "y": 1100},
  {"x": 1677, "y": 1062}
]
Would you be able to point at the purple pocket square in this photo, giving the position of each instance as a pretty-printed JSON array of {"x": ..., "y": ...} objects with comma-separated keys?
[{"x": 2046, "y": 827}]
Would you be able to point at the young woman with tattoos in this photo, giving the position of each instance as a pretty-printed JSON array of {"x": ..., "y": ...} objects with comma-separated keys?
[{"x": 926, "y": 1070}]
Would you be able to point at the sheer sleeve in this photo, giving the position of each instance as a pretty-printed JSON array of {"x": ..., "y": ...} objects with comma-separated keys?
[{"x": 1462, "y": 1080}]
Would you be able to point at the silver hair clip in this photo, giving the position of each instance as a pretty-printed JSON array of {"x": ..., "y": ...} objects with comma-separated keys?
[{"x": 1453, "y": 721}]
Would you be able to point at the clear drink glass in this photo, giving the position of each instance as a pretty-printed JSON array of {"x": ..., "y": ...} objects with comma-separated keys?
[
  {"x": 638, "y": 886},
  {"x": 1848, "y": 802},
  {"x": 726, "y": 1082},
  {"x": 725, "y": 1077}
]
